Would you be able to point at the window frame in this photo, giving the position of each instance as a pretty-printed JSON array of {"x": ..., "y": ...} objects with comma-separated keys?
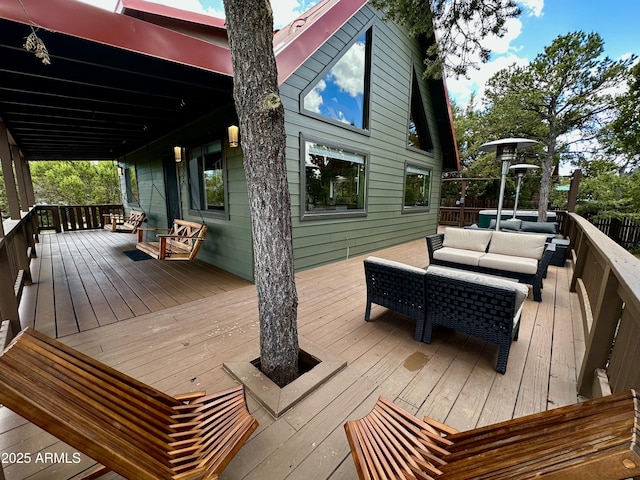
[
  {"x": 368, "y": 30},
  {"x": 416, "y": 209},
  {"x": 331, "y": 214},
  {"x": 222, "y": 214}
]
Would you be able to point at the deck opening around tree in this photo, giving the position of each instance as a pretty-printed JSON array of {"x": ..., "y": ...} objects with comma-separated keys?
[{"x": 319, "y": 365}]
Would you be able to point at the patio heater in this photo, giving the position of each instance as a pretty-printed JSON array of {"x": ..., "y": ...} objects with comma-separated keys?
[
  {"x": 505, "y": 149},
  {"x": 520, "y": 170}
]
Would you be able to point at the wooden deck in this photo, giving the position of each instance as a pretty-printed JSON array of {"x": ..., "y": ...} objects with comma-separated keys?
[
  {"x": 83, "y": 280},
  {"x": 182, "y": 347}
]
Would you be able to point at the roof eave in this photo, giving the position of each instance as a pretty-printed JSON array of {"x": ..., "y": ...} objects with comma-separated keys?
[{"x": 108, "y": 28}]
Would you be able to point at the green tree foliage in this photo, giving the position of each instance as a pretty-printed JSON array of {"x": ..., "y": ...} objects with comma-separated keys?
[
  {"x": 473, "y": 128},
  {"x": 75, "y": 183},
  {"x": 622, "y": 135},
  {"x": 605, "y": 191},
  {"x": 562, "y": 95},
  {"x": 461, "y": 27},
  {"x": 4, "y": 207}
]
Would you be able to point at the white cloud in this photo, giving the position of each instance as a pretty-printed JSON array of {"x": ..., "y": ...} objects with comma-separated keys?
[
  {"x": 499, "y": 45},
  {"x": 348, "y": 73},
  {"x": 461, "y": 88},
  {"x": 503, "y": 55},
  {"x": 532, "y": 7},
  {"x": 284, "y": 11},
  {"x": 313, "y": 99}
]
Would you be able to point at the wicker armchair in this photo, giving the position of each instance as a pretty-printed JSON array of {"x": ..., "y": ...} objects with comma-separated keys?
[{"x": 398, "y": 287}]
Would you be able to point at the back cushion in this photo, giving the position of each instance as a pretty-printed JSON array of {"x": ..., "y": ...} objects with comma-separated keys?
[
  {"x": 518, "y": 245},
  {"x": 466, "y": 239},
  {"x": 540, "y": 227},
  {"x": 510, "y": 224}
]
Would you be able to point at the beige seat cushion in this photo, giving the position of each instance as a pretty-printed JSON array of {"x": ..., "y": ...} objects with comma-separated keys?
[
  {"x": 522, "y": 291},
  {"x": 518, "y": 245},
  {"x": 457, "y": 255},
  {"x": 509, "y": 263},
  {"x": 399, "y": 265},
  {"x": 467, "y": 239}
]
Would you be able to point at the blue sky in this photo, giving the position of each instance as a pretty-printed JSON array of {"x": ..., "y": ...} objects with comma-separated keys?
[
  {"x": 542, "y": 21},
  {"x": 617, "y": 22}
]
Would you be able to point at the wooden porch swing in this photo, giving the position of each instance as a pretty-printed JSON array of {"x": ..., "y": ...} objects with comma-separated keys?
[{"x": 181, "y": 242}]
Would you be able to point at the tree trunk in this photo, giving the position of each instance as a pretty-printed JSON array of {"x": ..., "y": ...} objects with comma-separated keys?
[
  {"x": 263, "y": 140},
  {"x": 548, "y": 165}
]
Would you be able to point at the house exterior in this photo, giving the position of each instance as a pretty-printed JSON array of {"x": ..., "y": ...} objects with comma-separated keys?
[{"x": 367, "y": 137}]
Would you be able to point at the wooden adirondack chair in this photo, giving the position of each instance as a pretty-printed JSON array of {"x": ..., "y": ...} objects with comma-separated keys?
[
  {"x": 593, "y": 440},
  {"x": 125, "y": 425}
]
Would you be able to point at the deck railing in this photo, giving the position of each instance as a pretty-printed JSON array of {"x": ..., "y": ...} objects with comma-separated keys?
[
  {"x": 18, "y": 240},
  {"x": 17, "y": 247},
  {"x": 607, "y": 280},
  {"x": 74, "y": 217}
]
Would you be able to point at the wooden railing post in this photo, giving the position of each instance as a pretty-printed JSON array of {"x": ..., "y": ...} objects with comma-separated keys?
[
  {"x": 11, "y": 191},
  {"x": 606, "y": 309},
  {"x": 8, "y": 300}
]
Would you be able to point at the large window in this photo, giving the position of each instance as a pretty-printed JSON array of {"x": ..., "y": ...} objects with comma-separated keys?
[
  {"x": 335, "y": 180},
  {"x": 207, "y": 178},
  {"x": 342, "y": 94},
  {"x": 417, "y": 186}
]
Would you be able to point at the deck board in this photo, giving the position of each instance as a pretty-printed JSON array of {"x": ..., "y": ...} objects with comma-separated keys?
[{"x": 181, "y": 344}]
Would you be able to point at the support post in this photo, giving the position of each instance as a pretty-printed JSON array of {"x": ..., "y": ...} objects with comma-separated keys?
[{"x": 7, "y": 171}]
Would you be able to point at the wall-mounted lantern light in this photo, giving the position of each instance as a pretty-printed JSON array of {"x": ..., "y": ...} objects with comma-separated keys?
[
  {"x": 177, "y": 153},
  {"x": 233, "y": 136},
  {"x": 506, "y": 149}
]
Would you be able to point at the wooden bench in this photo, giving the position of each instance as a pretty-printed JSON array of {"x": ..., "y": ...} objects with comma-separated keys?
[
  {"x": 125, "y": 425},
  {"x": 117, "y": 223},
  {"x": 593, "y": 440},
  {"x": 182, "y": 241}
]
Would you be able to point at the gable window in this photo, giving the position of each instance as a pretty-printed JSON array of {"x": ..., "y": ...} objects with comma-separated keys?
[
  {"x": 342, "y": 94},
  {"x": 417, "y": 186},
  {"x": 207, "y": 178},
  {"x": 418, "y": 135},
  {"x": 335, "y": 180}
]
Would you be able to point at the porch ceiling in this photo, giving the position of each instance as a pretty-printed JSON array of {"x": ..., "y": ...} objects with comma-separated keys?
[{"x": 96, "y": 101}]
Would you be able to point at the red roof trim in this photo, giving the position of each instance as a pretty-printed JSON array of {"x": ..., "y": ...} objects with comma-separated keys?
[
  {"x": 85, "y": 21},
  {"x": 170, "y": 12},
  {"x": 296, "y": 42}
]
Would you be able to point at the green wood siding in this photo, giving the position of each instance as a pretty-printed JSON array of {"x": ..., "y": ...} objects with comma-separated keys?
[
  {"x": 394, "y": 55},
  {"x": 317, "y": 241},
  {"x": 228, "y": 244}
]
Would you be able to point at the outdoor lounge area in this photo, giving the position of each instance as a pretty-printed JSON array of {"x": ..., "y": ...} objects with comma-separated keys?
[{"x": 182, "y": 348}]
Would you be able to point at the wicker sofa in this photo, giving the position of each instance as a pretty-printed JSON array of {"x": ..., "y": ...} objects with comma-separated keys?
[
  {"x": 521, "y": 257},
  {"x": 480, "y": 305}
]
